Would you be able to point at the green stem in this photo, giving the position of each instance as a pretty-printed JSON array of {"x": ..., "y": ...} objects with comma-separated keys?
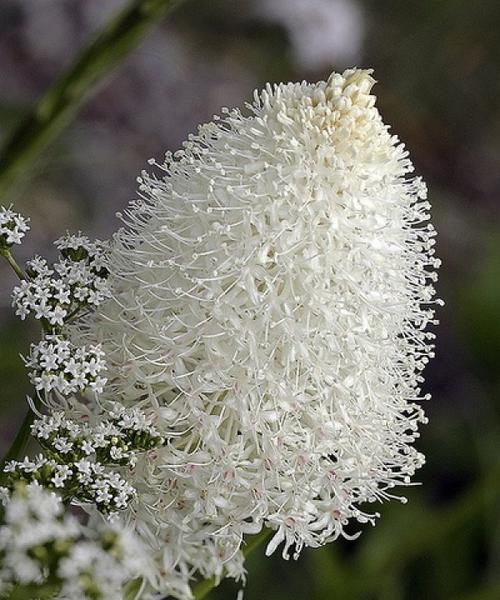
[
  {"x": 50, "y": 115},
  {"x": 204, "y": 587},
  {"x": 12, "y": 262},
  {"x": 20, "y": 441}
]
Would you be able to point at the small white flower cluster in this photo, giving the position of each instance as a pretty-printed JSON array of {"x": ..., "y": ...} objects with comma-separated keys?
[
  {"x": 13, "y": 227},
  {"x": 82, "y": 482},
  {"x": 133, "y": 427},
  {"x": 77, "y": 281},
  {"x": 102, "y": 565},
  {"x": 38, "y": 543},
  {"x": 113, "y": 440},
  {"x": 34, "y": 529},
  {"x": 78, "y": 454},
  {"x": 56, "y": 364},
  {"x": 41, "y": 544},
  {"x": 80, "y": 247}
]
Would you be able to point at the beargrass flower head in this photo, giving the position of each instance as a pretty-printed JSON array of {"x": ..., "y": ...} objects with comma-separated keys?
[{"x": 271, "y": 294}]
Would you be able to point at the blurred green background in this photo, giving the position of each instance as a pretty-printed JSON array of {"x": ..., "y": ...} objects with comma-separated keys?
[{"x": 437, "y": 63}]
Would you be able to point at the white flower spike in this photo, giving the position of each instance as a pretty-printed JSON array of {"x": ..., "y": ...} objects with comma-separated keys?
[{"x": 271, "y": 295}]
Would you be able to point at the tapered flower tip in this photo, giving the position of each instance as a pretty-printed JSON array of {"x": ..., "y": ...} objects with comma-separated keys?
[{"x": 271, "y": 294}]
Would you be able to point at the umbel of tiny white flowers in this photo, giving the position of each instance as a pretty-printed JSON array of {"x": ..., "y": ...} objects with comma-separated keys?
[
  {"x": 56, "y": 364},
  {"x": 82, "y": 482},
  {"x": 116, "y": 439},
  {"x": 78, "y": 281},
  {"x": 271, "y": 294},
  {"x": 41, "y": 545},
  {"x": 78, "y": 456},
  {"x": 55, "y": 295},
  {"x": 13, "y": 227}
]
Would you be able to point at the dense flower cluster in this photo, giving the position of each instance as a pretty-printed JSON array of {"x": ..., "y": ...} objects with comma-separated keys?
[
  {"x": 56, "y": 364},
  {"x": 82, "y": 481},
  {"x": 13, "y": 227},
  {"x": 270, "y": 301},
  {"x": 78, "y": 280},
  {"x": 102, "y": 565},
  {"x": 41, "y": 544},
  {"x": 78, "y": 455},
  {"x": 116, "y": 439},
  {"x": 79, "y": 247}
]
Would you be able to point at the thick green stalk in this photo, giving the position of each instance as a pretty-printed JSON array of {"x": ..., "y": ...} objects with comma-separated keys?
[
  {"x": 22, "y": 436},
  {"x": 28, "y": 592},
  {"x": 50, "y": 115},
  {"x": 201, "y": 590},
  {"x": 20, "y": 442},
  {"x": 12, "y": 263}
]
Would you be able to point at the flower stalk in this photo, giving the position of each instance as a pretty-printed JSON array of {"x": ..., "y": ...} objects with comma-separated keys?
[
  {"x": 18, "y": 446},
  {"x": 20, "y": 442},
  {"x": 24, "y": 592},
  {"x": 62, "y": 100},
  {"x": 6, "y": 253}
]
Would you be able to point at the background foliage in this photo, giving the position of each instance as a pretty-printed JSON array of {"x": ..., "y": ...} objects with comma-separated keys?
[{"x": 437, "y": 64}]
